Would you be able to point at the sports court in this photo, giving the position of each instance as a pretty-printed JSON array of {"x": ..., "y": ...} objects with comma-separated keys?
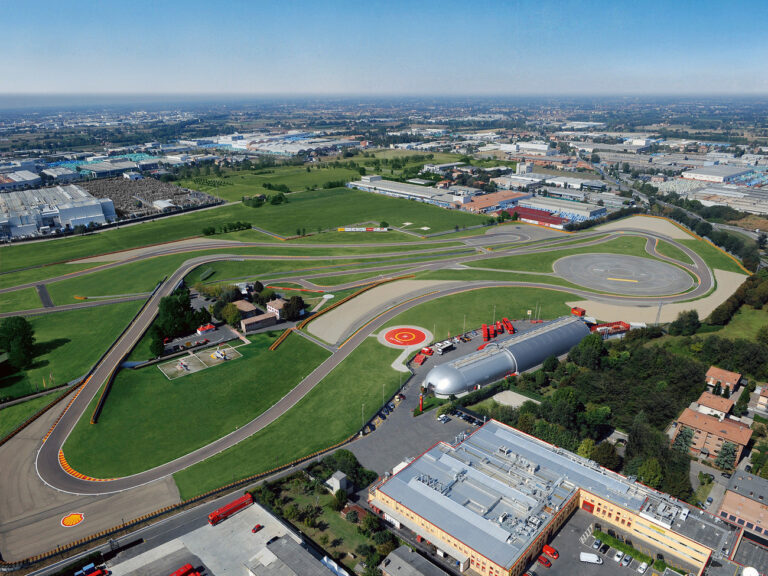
[{"x": 199, "y": 360}]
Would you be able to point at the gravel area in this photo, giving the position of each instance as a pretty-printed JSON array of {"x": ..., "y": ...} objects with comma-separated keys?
[
  {"x": 647, "y": 223},
  {"x": 727, "y": 283},
  {"x": 133, "y": 198}
]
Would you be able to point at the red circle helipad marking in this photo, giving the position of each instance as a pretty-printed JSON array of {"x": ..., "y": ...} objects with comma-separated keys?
[
  {"x": 72, "y": 519},
  {"x": 405, "y": 336}
]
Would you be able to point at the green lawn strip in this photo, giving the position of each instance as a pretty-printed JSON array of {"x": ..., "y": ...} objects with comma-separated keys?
[
  {"x": 429, "y": 403},
  {"x": 189, "y": 412},
  {"x": 501, "y": 276},
  {"x": 13, "y": 416},
  {"x": 328, "y": 414},
  {"x": 161, "y": 230},
  {"x": 543, "y": 261},
  {"x": 671, "y": 251},
  {"x": 68, "y": 344},
  {"x": 445, "y": 316},
  {"x": 564, "y": 242},
  {"x": 702, "y": 493},
  {"x": 331, "y": 238},
  {"x": 41, "y": 273},
  {"x": 344, "y": 278},
  {"x": 328, "y": 209},
  {"x": 26, "y": 299},
  {"x": 619, "y": 545},
  {"x": 714, "y": 257}
]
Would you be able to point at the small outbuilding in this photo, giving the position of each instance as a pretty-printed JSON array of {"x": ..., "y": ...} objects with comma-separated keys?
[{"x": 338, "y": 482}]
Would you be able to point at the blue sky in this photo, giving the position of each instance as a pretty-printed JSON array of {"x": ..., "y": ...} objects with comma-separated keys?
[{"x": 382, "y": 48}]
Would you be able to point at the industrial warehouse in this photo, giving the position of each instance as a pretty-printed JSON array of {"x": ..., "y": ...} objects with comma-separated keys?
[
  {"x": 492, "y": 501},
  {"x": 513, "y": 356},
  {"x": 27, "y": 213}
]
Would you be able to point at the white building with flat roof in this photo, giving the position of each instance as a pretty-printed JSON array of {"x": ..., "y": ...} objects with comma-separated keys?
[
  {"x": 719, "y": 173},
  {"x": 61, "y": 174}
]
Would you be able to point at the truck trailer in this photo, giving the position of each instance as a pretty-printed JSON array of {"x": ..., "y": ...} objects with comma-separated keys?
[{"x": 232, "y": 508}]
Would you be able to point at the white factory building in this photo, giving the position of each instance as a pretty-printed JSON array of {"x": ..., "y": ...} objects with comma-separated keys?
[
  {"x": 428, "y": 194},
  {"x": 18, "y": 180},
  {"x": 61, "y": 174},
  {"x": 574, "y": 211},
  {"x": 528, "y": 148},
  {"x": 27, "y": 213},
  {"x": 720, "y": 174}
]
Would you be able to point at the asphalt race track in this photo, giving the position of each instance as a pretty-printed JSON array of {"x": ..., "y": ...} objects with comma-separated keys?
[
  {"x": 623, "y": 274},
  {"x": 47, "y": 460}
]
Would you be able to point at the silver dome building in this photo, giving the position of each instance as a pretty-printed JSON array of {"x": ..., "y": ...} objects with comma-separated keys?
[{"x": 514, "y": 355}]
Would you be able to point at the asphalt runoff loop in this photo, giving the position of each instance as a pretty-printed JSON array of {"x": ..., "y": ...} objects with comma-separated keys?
[{"x": 621, "y": 274}]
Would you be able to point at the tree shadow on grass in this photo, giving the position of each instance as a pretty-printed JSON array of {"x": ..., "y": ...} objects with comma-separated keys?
[{"x": 42, "y": 348}]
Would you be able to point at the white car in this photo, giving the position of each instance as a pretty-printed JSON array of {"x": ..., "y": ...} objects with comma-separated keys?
[
  {"x": 642, "y": 568},
  {"x": 619, "y": 555}
]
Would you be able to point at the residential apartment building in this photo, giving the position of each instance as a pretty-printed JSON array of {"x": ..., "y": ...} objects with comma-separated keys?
[
  {"x": 746, "y": 502},
  {"x": 710, "y": 433},
  {"x": 713, "y": 405}
]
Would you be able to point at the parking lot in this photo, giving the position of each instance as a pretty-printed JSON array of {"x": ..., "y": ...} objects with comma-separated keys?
[{"x": 571, "y": 540}]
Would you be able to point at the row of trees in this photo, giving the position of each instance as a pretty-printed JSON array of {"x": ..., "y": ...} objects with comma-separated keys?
[
  {"x": 753, "y": 292},
  {"x": 226, "y": 227}
]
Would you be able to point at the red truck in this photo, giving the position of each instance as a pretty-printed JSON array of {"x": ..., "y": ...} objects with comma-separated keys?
[
  {"x": 508, "y": 325},
  {"x": 226, "y": 511},
  {"x": 486, "y": 336},
  {"x": 499, "y": 327},
  {"x": 184, "y": 570}
]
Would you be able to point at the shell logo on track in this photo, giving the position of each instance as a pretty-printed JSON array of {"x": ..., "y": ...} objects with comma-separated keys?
[
  {"x": 405, "y": 336},
  {"x": 72, "y": 519}
]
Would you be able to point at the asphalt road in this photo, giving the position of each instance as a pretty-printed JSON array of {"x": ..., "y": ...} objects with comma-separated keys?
[{"x": 47, "y": 460}]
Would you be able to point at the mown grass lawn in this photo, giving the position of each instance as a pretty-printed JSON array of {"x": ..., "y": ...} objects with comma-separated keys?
[
  {"x": 149, "y": 420},
  {"x": 42, "y": 273},
  {"x": 26, "y": 299},
  {"x": 328, "y": 414},
  {"x": 714, "y": 257},
  {"x": 671, "y": 251},
  {"x": 745, "y": 323},
  {"x": 67, "y": 345}
]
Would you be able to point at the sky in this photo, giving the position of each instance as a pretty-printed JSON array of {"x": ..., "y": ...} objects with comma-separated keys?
[{"x": 367, "y": 47}]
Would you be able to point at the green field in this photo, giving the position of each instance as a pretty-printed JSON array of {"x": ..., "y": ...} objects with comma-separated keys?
[
  {"x": 543, "y": 261},
  {"x": 445, "y": 316},
  {"x": 714, "y": 257},
  {"x": 672, "y": 251},
  {"x": 329, "y": 413},
  {"x": 188, "y": 412},
  {"x": 13, "y": 416},
  {"x": 744, "y": 324},
  {"x": 26, "y": 299},
  {"x": 330, "y": 209},
  {"x": 500, "y": 275},
  {"x": 67, "y": 344},
  {"x": 232, "y": 185},
  {"x": 43, "y": 273}
]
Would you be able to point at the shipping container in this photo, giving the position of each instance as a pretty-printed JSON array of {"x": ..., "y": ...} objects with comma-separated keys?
[
  {"x": 226, "y": 511},
  {"x": 185, "y": 570}
]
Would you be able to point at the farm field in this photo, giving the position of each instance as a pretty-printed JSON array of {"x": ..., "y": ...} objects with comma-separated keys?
[
  {"x": 328, "y": 414},
  {"x": 64, "y": 351},
  {"x": 226, "y": 397}
]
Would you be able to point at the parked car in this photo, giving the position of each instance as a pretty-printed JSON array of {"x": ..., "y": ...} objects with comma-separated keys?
[
  {"x": 748, "y": 468},
  {"x": 725, "y": 475},
  {"x": 596, "y": 544},
  {"x": 642, "y": 568},
  {"x": 709, "y": 500},
  {"x": 604, "y": 549},
  {"x": 619, "y": 555},
  {"x": 256, "y": 528},
  {"x": 391, "y": 406},
  {"x": 544, "y": 561},
  {"x": 551, "y": 552},
  {"x": 626, "y": 561}
]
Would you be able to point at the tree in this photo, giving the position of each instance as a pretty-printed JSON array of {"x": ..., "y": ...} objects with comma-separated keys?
[
  {"x": 727, "y": 392},
  {"x": 717, "y": 390},
  {"x": 339, "y": 500},
  {"x": 526, "y": 422},
  {"x": 370, "y": 524},
  {"x": 605, "y": 454},
  {"x": 17, "y": 338},
  {"x": 650, "y": 473},
  {"x": 294, "y": 308},
  {"x": 550, "y": 364},
  {"x": 594, "y": 158},
  {"x": 230, "y": 314},
  {"x": 156, "y": 346},
  {"x": 726, "y": 458},
  {"x": 588, "y": 352},
  {"x": 683, "y": 440},
  {"x": 209, "y": 230},
  {"x": 586, "y": 447},
  {"x": 687, "y": 324},
  {"x": 352, "y": 517}
]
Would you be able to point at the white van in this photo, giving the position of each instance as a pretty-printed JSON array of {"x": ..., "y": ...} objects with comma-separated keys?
[{"x": 590, "y": 558}]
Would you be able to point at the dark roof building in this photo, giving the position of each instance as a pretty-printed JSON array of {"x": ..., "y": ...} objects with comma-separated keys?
[{"x": 405, "y": 561}]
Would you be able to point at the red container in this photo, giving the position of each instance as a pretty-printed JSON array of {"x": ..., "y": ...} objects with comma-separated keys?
[
  {"x": 226, "y": 511},
  {"x": 184, "y": 570}
]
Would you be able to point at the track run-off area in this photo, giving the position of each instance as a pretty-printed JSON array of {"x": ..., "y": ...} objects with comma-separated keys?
[{"x": 692, "y": 280}]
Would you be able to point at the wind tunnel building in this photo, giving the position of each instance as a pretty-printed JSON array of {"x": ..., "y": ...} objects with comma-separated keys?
[{"x": 513, "y": 356}]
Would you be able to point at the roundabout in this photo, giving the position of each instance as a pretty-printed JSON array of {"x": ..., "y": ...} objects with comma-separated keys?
[{"x": 624, "y": 274}]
